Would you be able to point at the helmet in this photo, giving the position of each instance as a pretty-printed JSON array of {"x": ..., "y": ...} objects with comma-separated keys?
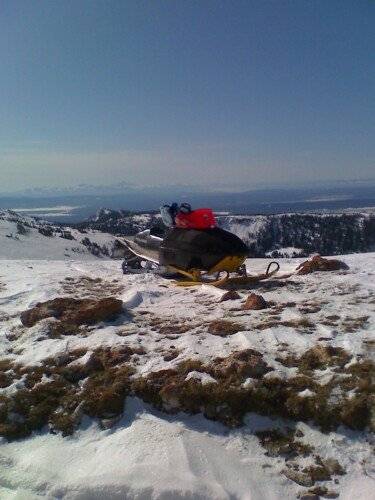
[{"x": 185, "y": 208}]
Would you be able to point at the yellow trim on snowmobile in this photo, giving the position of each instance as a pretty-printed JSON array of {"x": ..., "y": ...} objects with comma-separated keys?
[
  {"x": 193, "y": 274},
  {"x": 226, "y": 265},
  {"x": 230, "y": 263},
  {"x": 218, "y": 282}
]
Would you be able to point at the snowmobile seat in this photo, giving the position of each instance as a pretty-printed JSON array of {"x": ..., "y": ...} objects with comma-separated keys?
[{"x": 158, "y": 231}]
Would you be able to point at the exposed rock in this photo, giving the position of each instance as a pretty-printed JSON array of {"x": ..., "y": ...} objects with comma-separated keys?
[
  {"x": 172, "y": 354},
  {"x": 67, "y": 235},
  {"x": 317, "y": 473},
  {"x": 298, "y": 477},
  {"x": 118, "y": 250},
  {"x": 94, "y": 248},
  {"x": 318, "y": 263},
  {"x": 21, "y": 229},
  {"x": 255, "y": 302},
  {"x": 279, "y": 443},
  {"x": 333, "y": 466},
  {"x": 331, "y": 494},
  {"x": 322, "y": 491},
  {"x": 308, "y": 496},
  {"x": 46, "y": 231},
  {"x": 230, "y": 295},
  {"x": 108, "y": 423},
  {"x": 73, "y": 311}
]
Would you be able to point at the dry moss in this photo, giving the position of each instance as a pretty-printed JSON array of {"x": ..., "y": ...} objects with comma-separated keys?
[
  {"x": 55, "y": 402},
  {"x": 317, "y": 473},
  {"x": 278, "y": 443},
  {"x": 6, "y": 371},
  {"x": 91, "y": 287},
  {"x": 104, "y": 394},
  {"x": 228, "y": 400},
  {"x": 169, "y": 326},
  {"x": 302, "y": 324},
  {"x": 352, "y": 325},
  {"x": 223, "y": 327},
  {"x": 358, "y": 412},
  {"x": 29, "y": 410},
  {"x": 63, "y": 422},
  {"x": 321, "y": 356},
  {"x": 110, "y": 378},
  {"x": 57, "y": 329}
]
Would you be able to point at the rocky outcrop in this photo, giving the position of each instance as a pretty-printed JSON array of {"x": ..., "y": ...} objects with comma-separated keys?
[
  {"x": 255, "y": 302},
  {"x": 318, "y": 263}
]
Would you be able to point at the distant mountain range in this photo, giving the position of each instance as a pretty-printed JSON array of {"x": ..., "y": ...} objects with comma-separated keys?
[
  {"x": 124, "y": 188},
  {"x": 82, "y": 201}
]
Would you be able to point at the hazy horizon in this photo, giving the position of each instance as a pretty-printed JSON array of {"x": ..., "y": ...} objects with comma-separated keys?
[{"x": 123, "y": 187}]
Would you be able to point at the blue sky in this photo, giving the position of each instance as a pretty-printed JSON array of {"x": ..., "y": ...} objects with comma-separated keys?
[{"x": 235, "y": 94}]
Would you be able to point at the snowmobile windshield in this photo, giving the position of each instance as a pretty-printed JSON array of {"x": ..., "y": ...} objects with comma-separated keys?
[{"x": 166, "y": 216}]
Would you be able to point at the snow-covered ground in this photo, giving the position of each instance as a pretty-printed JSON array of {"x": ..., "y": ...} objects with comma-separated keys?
[
  {"x": 150, "y": 454},
  {"x": 21, "y": 238},
  {"x": 56, "y": 211}
]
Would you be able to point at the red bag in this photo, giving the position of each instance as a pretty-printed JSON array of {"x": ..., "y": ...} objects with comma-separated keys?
[{"x": 202, "y": 218}]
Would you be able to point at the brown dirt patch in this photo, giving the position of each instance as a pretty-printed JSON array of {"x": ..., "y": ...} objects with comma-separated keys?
[
  {"x": 74, "y": 311},
  {"x": 166, "y": 326},
  {"x": 223, "y": 327}
]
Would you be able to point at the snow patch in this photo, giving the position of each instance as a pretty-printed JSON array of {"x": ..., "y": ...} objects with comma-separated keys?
[{"x": 203, "y": 378}]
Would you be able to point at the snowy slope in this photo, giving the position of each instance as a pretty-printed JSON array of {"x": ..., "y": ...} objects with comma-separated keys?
[
  {"x": 151, "y": 454},
  {"x": 24, "y": 237}
]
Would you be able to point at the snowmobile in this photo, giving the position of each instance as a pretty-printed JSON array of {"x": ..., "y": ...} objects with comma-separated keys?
[{"x": 212, "y": 256}]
